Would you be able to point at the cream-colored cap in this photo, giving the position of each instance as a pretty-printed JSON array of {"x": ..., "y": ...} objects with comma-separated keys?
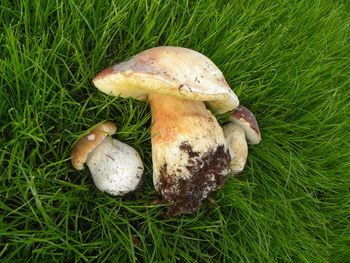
[
  {"x": 88, "y": 143},
  {"x": 174, "y": 71}
]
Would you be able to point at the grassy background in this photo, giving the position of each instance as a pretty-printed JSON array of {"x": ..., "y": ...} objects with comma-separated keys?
[{"x": 288, "y": 61}]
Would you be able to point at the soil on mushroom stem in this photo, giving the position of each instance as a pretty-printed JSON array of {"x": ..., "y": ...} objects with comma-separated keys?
[{"x": 207, "y": 174}]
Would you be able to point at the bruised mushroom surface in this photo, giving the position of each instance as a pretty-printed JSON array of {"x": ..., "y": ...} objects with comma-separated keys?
[
  {"x": 116, "y": 168},
  {"x": 189, "y": 151}
]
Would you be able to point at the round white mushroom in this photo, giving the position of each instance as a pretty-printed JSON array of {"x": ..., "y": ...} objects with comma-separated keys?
[{"x": 116, "y": 168}]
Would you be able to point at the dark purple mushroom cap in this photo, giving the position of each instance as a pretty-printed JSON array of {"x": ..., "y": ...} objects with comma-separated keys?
[{"x": 246, "y": 119}]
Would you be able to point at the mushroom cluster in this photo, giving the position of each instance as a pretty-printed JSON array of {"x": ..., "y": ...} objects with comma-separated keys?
[{"x": 191, "y": 153}]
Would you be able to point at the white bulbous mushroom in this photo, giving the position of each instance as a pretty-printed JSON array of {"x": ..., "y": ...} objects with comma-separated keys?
[
  {"x": 116, "y": 167},
  {"x": 189, "y": 151},
  {"x": 242, "y": 129}
]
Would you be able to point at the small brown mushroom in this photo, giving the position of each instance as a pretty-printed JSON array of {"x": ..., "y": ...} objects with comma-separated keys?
[
  {"x": 189, "y": 152},
  {"x": 242, "y": 129},
  {"x": 116, "y": 168}
]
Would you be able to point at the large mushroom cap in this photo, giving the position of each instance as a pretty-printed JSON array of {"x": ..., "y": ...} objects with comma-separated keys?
[
  {"x": 89, "y": 142},
  {"x": 174, "y": 71}
]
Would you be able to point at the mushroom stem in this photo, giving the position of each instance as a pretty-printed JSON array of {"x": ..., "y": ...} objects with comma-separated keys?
[
  {"x": 189, "y": 153},
  {"x": 238, "y": 147}
]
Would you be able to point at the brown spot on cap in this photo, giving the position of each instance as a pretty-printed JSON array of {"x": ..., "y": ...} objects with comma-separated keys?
[
  {"x": 104, "y": 73},
  {"x": 88, "y": 143}
]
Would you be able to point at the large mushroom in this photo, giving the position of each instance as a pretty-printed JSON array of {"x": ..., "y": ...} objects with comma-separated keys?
[
  {"x": 189, "y": 152},
  {"x": 116, "y": 167}
]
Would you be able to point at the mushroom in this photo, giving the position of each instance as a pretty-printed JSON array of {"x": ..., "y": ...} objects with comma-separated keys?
[
  {"x": 116, "y": 168},
  {"x": 189, "y": 152},
  {"x": 242, "y": 129}
]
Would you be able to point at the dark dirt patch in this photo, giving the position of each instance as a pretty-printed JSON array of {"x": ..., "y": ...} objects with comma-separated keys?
[
  {"x": 207, "y": 173},
  {"x": 186, "y": 147}
]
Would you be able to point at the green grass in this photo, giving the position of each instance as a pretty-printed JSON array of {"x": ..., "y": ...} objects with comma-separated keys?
[{"x": 288, "y": 61}]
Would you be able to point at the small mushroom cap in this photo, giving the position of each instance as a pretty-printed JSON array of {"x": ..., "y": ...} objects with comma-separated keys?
[
  {"x": 246, "y": 119},
  {"x": 88, "y": 143},
  {"x": 174, "y": 71}
]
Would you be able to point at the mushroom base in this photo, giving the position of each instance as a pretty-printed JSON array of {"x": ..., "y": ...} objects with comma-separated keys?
[{"x": 208, "y": 174}]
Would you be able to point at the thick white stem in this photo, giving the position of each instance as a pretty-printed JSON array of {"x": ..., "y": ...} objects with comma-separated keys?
[{"x": 189, "y": 153}]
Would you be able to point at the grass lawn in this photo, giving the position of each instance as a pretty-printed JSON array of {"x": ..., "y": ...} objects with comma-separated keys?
[{"x": 288, "y": 61}]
